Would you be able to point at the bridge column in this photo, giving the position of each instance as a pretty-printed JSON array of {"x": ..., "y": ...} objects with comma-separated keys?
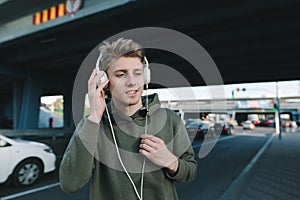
[
  {"x": 6, "y": 114},
  {"x": 68, "y": 116},
  {"x": 30, "y": 103},
  {"x": 18, "y": 89}
]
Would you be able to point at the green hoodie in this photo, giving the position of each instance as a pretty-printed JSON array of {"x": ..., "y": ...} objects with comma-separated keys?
[{"x": 91, "y": 153}]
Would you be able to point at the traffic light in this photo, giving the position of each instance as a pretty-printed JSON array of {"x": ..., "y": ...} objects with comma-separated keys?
[
  {"x": 237, "y": 89},
  {"x": 275, "y": 107}
]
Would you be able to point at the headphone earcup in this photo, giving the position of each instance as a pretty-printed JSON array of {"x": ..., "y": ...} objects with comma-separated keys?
[
  {"x": 103, "y": 79},
  {"x": 147, "y": 75}
]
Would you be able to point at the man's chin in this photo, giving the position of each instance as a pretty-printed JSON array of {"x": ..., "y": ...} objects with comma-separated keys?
[{"x": 134, "y": 100}]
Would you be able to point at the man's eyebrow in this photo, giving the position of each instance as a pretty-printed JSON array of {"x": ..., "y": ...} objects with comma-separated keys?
[
  {"x": 120, "y": 70},
  {"x": 125, "y": 70}
]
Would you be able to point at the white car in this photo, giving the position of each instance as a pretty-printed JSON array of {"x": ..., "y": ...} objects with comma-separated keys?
[
  {"x": 23, "y": 162},
  {"x": 248, "y": 125}
]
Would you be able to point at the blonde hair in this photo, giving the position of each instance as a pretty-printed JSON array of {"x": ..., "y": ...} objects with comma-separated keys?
[{"x": 111, "y": 51}]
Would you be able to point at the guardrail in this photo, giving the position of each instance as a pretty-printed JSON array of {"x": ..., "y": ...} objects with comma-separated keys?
[{"x": 37, "y": 133}]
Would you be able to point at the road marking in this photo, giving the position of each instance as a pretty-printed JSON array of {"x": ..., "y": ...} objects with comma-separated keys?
[
  {"x": 228, "y": 193},
  {"x": 253, "y": 134},
  {"x": 215, "y": 140},
  {"x": 30, "y": 191}
]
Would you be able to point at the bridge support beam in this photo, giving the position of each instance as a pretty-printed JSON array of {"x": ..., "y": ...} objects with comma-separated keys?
[{"x": 30, "y": 103}]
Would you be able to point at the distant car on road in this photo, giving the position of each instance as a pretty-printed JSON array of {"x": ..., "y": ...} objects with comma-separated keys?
[
  {"x": 197, "y": 129},
  {"x": 248, "y": 125},
  {"x": 23, "y": 162},
  {"x": 224, "y": 128},
  {"x": 256, "y": 122},
  {"x": 268, "y": 122}
]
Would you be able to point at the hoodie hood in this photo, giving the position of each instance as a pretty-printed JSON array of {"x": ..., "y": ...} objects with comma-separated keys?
[{"x": 139, "y": 116}]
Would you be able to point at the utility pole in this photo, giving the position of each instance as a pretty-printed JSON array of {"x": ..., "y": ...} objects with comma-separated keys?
[{"x": 277, "y": 112}]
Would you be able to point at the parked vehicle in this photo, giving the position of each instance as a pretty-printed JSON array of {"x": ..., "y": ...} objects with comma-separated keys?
[
  {"x": 248, "y": 125},
  {"x": 23, "y": 162}
]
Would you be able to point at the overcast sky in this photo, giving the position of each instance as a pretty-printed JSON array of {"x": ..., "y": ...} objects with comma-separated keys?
[{"x": 252, "y": 90}]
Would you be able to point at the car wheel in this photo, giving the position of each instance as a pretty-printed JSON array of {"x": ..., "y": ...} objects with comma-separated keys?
[{"x": 27, "y": 172}]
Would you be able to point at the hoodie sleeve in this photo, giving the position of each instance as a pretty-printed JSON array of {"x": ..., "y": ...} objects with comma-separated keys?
[
  {"x": 78, "y": 161},
  {"x": 182, "y": 148}
]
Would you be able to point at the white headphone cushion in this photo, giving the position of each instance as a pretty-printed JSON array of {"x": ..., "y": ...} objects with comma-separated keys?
[{"x": 147, "y": 75}]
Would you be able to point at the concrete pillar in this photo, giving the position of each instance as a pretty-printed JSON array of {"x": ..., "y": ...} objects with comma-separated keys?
[
  {"x": 68, "y": 116},
  {"x": 6, "y": 113},
  {"x": 18, "y": 88},
  {"x": 29, "y": 114}
]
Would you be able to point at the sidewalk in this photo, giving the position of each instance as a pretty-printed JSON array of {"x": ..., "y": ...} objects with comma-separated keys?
[{"x": 275, "y": 175}]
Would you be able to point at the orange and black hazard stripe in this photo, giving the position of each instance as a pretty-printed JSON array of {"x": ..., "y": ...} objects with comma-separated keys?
[{"x": 49, "y": 14}]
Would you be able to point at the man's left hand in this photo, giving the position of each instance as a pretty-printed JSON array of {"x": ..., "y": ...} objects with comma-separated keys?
[{"x": 157, "y": 152}]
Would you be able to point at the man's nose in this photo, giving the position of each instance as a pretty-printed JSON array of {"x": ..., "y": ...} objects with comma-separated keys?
[{"x": 131, "y": 80}]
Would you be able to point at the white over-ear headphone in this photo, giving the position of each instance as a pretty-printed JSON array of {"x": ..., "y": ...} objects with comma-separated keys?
[
  {"x": 147, "y": 73},
  {"x": 104, "y": 77}
]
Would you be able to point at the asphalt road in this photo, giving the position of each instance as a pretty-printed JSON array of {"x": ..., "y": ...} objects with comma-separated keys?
[
  {"x": 222, "y": 165},
  {"x": 216, "y": 171}
]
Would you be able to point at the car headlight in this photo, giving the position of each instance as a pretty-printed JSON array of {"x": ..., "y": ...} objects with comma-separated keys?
[{"x": 48, "y": 149}]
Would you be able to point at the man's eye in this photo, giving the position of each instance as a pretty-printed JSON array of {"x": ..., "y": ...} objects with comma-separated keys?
[{"x": 119, "y": 74}]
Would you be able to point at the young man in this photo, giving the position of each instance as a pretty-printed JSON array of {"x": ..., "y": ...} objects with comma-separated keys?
[{"x": 128, "y": 153}]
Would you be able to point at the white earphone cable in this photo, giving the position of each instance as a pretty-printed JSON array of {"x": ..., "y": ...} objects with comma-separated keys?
[
  {"x": 119, "y": 156},
  {"x": 146, "y": 132}
]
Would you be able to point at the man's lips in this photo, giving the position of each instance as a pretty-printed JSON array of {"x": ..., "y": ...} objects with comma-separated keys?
[{"x": 131, "y": 92}]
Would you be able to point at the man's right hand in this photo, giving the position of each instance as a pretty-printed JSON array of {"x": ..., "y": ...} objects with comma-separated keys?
[{"x": 96, "y": 96}]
